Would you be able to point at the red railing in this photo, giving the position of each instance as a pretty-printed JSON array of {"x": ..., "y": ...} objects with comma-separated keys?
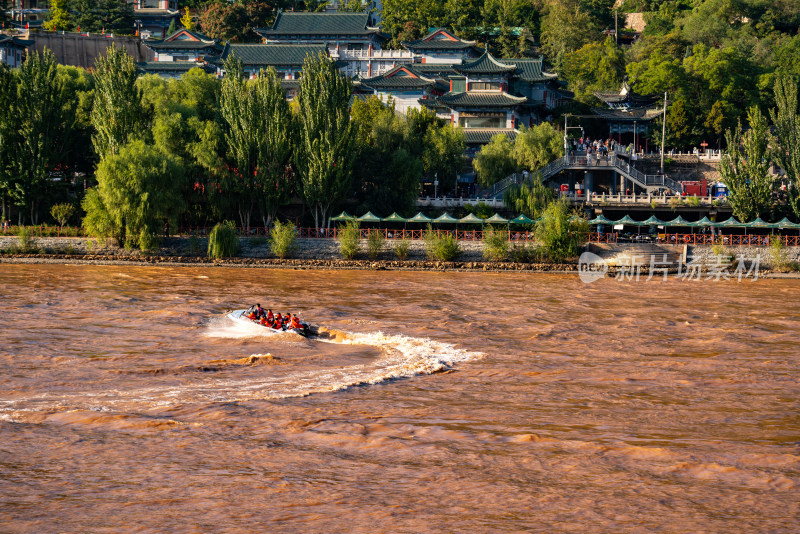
[{"x": 733, "y": 239}]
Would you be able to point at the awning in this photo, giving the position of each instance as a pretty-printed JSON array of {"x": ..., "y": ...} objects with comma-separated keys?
[
  {"x": 522, "y": 219},
  {"x": 653, "y": 221},
  {"x": 627, "y": 220},
  {"x": 394, "y": 217},
  {"x": 471, "y": 219},
  {"x": 420, "y": 218},
  {"x": 369, "y": 217},
  {"x": 705, "y": 221},
  {"x": 344, "y": 216},
  {"x": 496, "y": 219},
  {"x": 445, "y": 218}
]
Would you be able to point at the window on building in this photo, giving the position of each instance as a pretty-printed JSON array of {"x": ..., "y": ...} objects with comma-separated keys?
[
  {"x": 485, "y": 86},
  {"x": 482, "y": 122}
]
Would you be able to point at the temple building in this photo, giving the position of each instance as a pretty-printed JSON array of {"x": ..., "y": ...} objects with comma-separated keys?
[
  {"x": 349, "y": 37},
  {"x": 442, "y": 46},
  {"x": 179, "y": 52},
  {"x": 628, "y": 115}
]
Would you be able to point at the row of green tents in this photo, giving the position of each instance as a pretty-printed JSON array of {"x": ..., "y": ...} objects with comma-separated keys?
[
  {"x": 420, "y": 217},
  {"x": 678, "y": 221},
  {"x": 704, "y": 222}
]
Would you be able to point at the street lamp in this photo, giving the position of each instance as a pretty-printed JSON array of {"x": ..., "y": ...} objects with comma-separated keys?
[{"x": 435, "y": 185}]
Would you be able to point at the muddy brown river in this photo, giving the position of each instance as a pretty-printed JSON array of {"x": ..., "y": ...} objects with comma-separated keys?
[{"x": 437, "y": 402}]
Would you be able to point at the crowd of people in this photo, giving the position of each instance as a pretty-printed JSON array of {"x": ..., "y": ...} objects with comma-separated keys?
[{"x": 276, "y": 321}]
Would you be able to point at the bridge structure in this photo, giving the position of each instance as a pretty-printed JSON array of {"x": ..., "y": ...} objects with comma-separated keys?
[{"x": 624, "y": 172}]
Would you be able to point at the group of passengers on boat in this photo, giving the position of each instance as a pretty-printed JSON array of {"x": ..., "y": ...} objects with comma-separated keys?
[{"x": 276, "y": 321}]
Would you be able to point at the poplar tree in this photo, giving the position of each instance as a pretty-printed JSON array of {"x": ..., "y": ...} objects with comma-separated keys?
[
  {"x": 327, "y": 139},
  {"x": 786, "y": 146},
  {"x": 8, "y": 133},
  {"x": 43, "y": 116},
  {"x": 117, "y": 113},
  {"x": 258, "y": 138},
  {"x": 744, "y": 168}
]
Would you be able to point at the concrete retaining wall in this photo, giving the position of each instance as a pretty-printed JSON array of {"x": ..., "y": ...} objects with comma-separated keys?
[{"x": 81, "y": 50}]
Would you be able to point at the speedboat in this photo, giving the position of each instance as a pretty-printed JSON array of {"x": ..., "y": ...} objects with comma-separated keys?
[{"x": 242, "y": 317}]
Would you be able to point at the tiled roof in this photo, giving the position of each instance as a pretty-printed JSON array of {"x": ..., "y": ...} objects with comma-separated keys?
[
  {"x": 15, "y": 41},
  {"x": 530, "y": 70},
  {"x": 486, "y": 64},
  {"x": 200, "y": 41},
  {"x": 474, "y": 99},
  {"x": 301, "y": 23},
  {"x": 269, "y": 54},
  {"x": 171, "y": 66},
  {"x": 430, "y": 43},
  {"x": 397, "y": 80},
  {"x": 481, "y": 136},
  {"x": 624, "y": 95},
  {"x": 630, "y": 115},
  {"x": 434, "y": 69}
]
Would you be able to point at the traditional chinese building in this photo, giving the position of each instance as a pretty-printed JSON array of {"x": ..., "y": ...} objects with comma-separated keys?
[
  {"x": 153, "y": 17},
  {"x": 12, "y": 50},
  {"x": 442, "y": 46},
  {"x": 628, "y": 114},
  {"x": 349, "y": 37},
  {"x": 28, "y": 13},
  {"x": 179, "y": 52}
]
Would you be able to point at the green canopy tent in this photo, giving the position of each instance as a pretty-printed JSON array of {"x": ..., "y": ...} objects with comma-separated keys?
[
  {"x": 370, "y": 218},
  {"x": 627, "y": 220},
  {"x": 445, "y": 218},
  {"x": 496, "y": 219},
  {"x": 601, "y": 219},
  {"x": 471, "y": 219},
  {"x": 522, "y": 219},
  {"x": 420, "y": 218},
  {"x": 705, "y": 222},
  {"x": 653, "y": 221},
  {"x": 730, "y": 223},
  {"x": 344, "y": 216},
  {"x": 786, "y": 223},
  {"x": 758, "y": 222},
  {"x": 677, "y": 221},
  {"x": 395, "y": 218}
]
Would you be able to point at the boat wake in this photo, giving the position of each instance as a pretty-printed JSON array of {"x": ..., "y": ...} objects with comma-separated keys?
[{"x": 398, "y": 356}]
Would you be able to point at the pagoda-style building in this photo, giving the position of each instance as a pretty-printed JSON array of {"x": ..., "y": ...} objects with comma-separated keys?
[
  {"x": 405, "y": 85},
  {"x": 12, "y": 50},
  {"x": 628, "y": 114},
  {"x": 442, "y": 46},
  {"x": 180, "y": 52}
]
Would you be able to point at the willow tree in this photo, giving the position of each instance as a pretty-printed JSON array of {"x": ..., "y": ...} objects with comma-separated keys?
[
  {"x": 117, "y": 113},
  {"x": 258, "y": 138},
  {"x": 786, "y": 148},
  {"x": 327, "y": 139},
  {"x": 744, "y": 168},
  {"x": 43, "y": 115}
]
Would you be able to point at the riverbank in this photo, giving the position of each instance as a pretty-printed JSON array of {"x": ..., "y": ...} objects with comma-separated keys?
[{"x": 324, "y": 254}]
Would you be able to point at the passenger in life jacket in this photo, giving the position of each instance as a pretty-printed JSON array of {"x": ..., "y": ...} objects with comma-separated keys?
[
  {"x": 295, "y": 323},
  {"x": 252, "y": 313},
  {"x": 263, "y": 321},
  {"x": 270, "y": 316},
  {"x": 259, "y": 311},
  {"x": 279, "y": 320}
]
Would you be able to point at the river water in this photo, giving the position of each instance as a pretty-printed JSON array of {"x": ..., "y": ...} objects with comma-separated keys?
[{"x": 439, "y": 402}]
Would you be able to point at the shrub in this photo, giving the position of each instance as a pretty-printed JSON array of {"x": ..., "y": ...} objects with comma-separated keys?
[
  {"x": 674, "y": 202},
  {"x": 778, "y": 253},
  {"x": 441, "y": 247},
  {"x": 693, "y": 201},
  {"x": 401, "y": 249},
  {"x": 282, "y": 239},
  {"x": 521, "y": 253},
  {"x": 495, "y": 244},
  {"x": 375, "y": 242},
  {"x": 350, "y": 240},
  {"x": 223, "y": 241},
  {"x": 26, "y": 244},
  {"x": 62, "y": 212},
  {"x": 560, "y": 233},
  {"x": 653, "y": 204}
]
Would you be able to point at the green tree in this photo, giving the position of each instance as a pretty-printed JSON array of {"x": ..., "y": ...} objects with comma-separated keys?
[
  {"x": 594, "y": 67},
  {"x": 138, "y": 189},
  {"x": 559, "y": 232},
  {"x": 326, "y": 138},
  {"x": 537, "y": 146},
  {"x": 530, "y": 199},
  {"x": 111, "y": 16},
  {"x": 443, "y": 155},
  {"x": 786, "y": 142},
  {"x": 8, "y": 134},
  {"x": 744, "y": 168},
  {"x": 186, "y": 19},
  {"x": 117, "y": 112},
  {"x": 43, "y": 120},
  {"x": 58, "y": 18},
  {"x": 495, "y": 160},
  {"x": 565, "y": 28}
]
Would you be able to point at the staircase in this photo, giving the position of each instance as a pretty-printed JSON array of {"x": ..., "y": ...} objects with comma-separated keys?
[{"x": 613, "y": 162}]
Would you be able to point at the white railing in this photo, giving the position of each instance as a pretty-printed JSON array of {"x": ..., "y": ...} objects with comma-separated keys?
[{"x": 449, "y": 202}]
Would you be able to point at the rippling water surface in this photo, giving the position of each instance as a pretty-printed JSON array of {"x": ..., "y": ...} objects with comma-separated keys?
[{"x": 440, "y": 402}]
